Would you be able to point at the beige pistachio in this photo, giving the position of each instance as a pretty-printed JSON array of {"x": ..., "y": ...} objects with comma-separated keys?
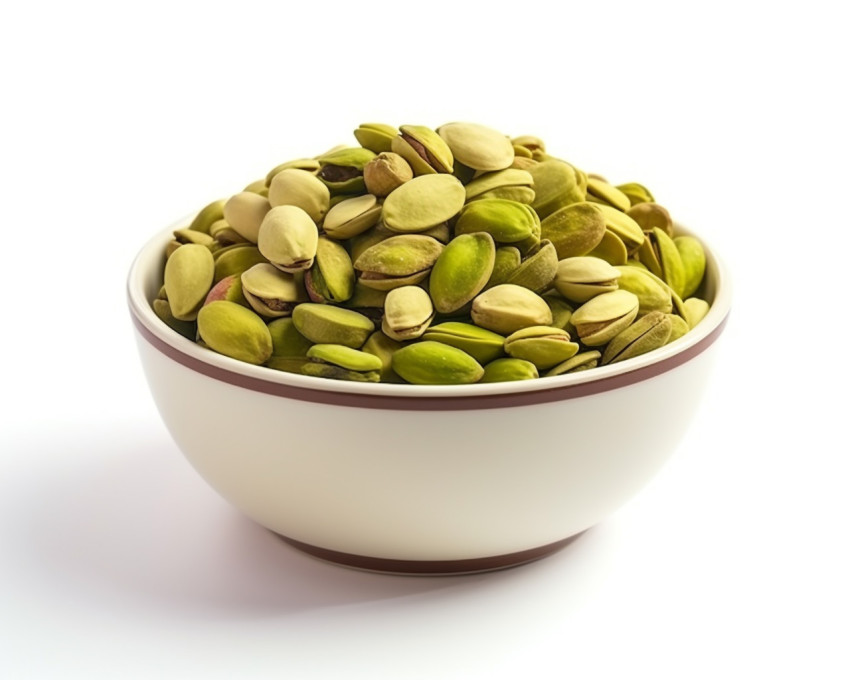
[
  {"x": 509, "y": 369},
  {"x": 649, "y": 332},
  {"x": 435, "y": 363},
  {"x": 244, "y": 212},
  {"x": 543, "y": 346},
  {"x": 272, "y": 292},
  {"x": 422, "y": 203},
  {"x": 695, "y": 310},
  {"x": 188, "y": 278},
  {"x": 302, "y": 189},
  {"x": 288, "y": 238},
  {"x": 611, "y": 249},
  {"x": 341, "y": 362},
  {"x": 461, "y": 271},
  {"x": 408, "y": 311},
  {"x": 183, "y": 236},
  {"x": 376, "y": 137},
  {"x": 423, "y": 149},
  {"x": 352, "y": 216},
  {"x": 334, "y": 325},
  {"x": 386, "y": 173},
  {"x": 622, "y": 226},
  {"x": 398, "y": 261},
  {"x": 604, "y": 316},
  {"x": 235, "y": 331},
  {"x": 507, "y": 308},
  {"x": 513, "y": 184},
  {"x": 310, "y": 165},
  {"x": 477, "y": 146},
  {"x": 652, "y": 293},
  {"x": 580, "y": 278},
  {"x": 575, "y": 229},
  {"x": 236, "y": 259}
]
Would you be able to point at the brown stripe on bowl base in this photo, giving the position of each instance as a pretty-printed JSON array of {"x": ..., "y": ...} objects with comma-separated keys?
[{"x": 474, "y": 565}]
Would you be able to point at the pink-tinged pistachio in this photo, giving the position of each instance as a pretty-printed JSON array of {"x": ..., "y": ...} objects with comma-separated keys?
[
  {"x": 644, "y": 335},
  {"x": 423, "y": 149},
  {"x": 507, "y": 308},
  {"x": 509, "y": 369},
  {"x": 230, "y": 289},
  {"x": 650, "y": 216},
  {"x": 188, "y": 278},
  {"x": 408, "y": 311},
  {"x": 235, "y": 331},
  {"x": 386, "y": 173},
  {"x": 376, "y": 137},
  {"x": 288, "y": 238},
  {"x": 543, "y": 346},
  {"x": 434, "y": 363},
  {"x": 602, "y": 317},
  {"x": 580, "y": 362},
  {"x": 207, "y": 216},
  {"x": 477, "y": 146},
  {"x": 326, "y": 324},
  {"x": 461, "y": 271},
  {"x": 272, "y": 292},
  {"x": 574, "y": 230},
  {"x": 302, "y": 189}
]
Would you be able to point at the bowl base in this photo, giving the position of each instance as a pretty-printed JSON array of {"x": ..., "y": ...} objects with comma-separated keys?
[{"x": 475, "y": 565}]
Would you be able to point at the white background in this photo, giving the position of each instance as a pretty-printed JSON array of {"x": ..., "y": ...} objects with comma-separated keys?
[{"x": 116, "y": 119}]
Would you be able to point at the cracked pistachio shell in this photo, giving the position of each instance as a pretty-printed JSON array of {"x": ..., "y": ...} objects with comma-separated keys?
[
  {"x": 331, "y": 278},
  {"x": 244, "y": 212},
  {"x": 543, "y": 346},
  {"x": 644, "y": 335},
  {"x": 185, "y": 328},
  {"x": 530, "y": 142},
  {"x": 507, "y": 308},
  {"x": 611, "y": 249},
  {"x": 461, "y": 271},
  {"x": 207, "y": 216},
  {"x": 310, "y": 165},
  {"x": 653, "y": 295},
  {"x": 695, "y": 310},
  {"x": 326, "y": 324},
  {"x": 623, "y": 226},
  {"x": 521, "y": 151},
  {"x": 286, "y": 340},
  {"x": 352, "y": 216},
  {"x": 183, "y": 236},
  {"x": 341, "y": 169},
  {"x": 386, "y": 173},
  {"x": 651, "y": 215},
  {"x": 523, "y": 163},
  {"x": 562, "y": 312},
  {"x": 423, "y": 149},
  {"x": 235, "y": 331},
  {"x": 288, "y": 238},
  {"x": 482, "y": 345},
  {"x": 602, "y": 317},
  {"x": 230, "y": 289},
  {"x": 188, "y": 278},
  {"x": 408, "y": 311},
  {"x": 376, "y": 137},
  {"x": 398, "y": 260},
  {"x": 580, "y": 278},
  {"x": 434, "y": 363},
  {"x": 270, "y": 291},
  {"x": 693, "y": 261},
  {"x": 383, "y": 347},
  {"x": 555, "y": 187},
  {"x": 511, "y": 183},
  {"x": 509, "y": 369},
  {"x": 574, "y": 230},
  {"x": 507, "y": 260},
  {"x": 679, "y": 327},
  {"x": 302, "y": 189},
  {"x": 580, "y": 362},
  {"x": 477, "y": 146},
  {"x": 339, "y": 362},
  {"x": 422, "y": 203},
  {"x": 538, "y": 269},
  {"x": 662, "y": 258},
  {"x": 598, "y": 190},
  {"x": 637, "y": 193},
  {"x": 226, "y": 235},
  {"x": 506, "y": 221},
  {"x": 236, "y": 259}
]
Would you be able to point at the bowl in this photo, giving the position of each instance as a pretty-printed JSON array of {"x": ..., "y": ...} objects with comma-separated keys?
[{"x": 420, "y": 478}]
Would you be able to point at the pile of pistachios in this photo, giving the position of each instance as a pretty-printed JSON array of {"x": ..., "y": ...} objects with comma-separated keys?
[{"x": 452, "y": 255}]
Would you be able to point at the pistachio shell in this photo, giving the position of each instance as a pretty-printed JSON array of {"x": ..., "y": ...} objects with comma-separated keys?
[
  {"x": 507, "y": 260},
  {"x": 461, "y": 271},
  {"x": 580, "y": 278},
  {"x": 506, "y": 221},
  {"x": 574, "y": 230},
  {"x": 341, "y": 169},
  {"x": 424, "y": 149},
  {"x": 652, "y": 293},
  {"x": 335, "y": 325},
  {"x": 235, "y": 331},
  {"x": 611, "y": 249},
  {"x": 345, "y": 357},
  {"x": 544, "y": 346},
  {"x": 352, "y": 216},
  {"x": 383, "y": 347},
  {"x": 398, "y": 260},
  {"x": 434, "y": 363},
  {"x": 500, "y": 181},
  {"x": 603, "y": 192},
  {"x": 236, "y": 259},
  {"x": 229, "y": 288},
  {"x": 208, "y": 215},
  {"x": 507, "y": 308},
  {"x": 310, "y": 165},
  {"x": 302, "y": 189},
  {"x": 693, "y": 262},
  {"x": 650, "y": 216},
  {"x": 623, "y": 226},
  {"x": 644, "y": 335},
  {"x": 530, "y": 142},
  {"x": 679, "y": 327},
  {"x": 555, "y": 187},
  {"x": 662, "y": 258},
  {"x": 538, "y": 269},
  {"x": 602, "y": 317},
  {"x": 477, "y": 146},
  {"x": 270, "y": 291},
  {"x": 286, "y": 340},
  {"x": 580, "y": 362},
  {"x": 422, "y": 203},
  {"x": 183, "y": 236},
  {"x": 479, "y": 343},
  {"x": 562, "y": 312},
  {"x": 244, "y": 212},
  {"x": 376, "y": 137},
  {"x": 331, "y": 279},
  {"x": 509, "y": 369},
  {"x": 163, "y": 311},
  {"x": 407, "y": 313},
  {"x": 695, "y": 310},
  {"x": 188, "y": 278},
  {"x": 288, "y": 238},
  {"x": 386, "y": 173},
  {"x": 637, "y": 193}
]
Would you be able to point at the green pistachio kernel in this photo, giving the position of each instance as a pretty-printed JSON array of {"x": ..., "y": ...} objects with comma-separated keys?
[
  {"x": 326, "y": 324},
  {"x": 434, "y": 363},
  {"x": 461, "y": 271},
  {"x": 235, "y": 331},
  {"x": 509, "y": 369}
]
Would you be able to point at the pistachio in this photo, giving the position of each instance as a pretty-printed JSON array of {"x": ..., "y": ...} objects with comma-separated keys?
[
  {"x": 230, "y": 289},
  {"x": 183, "y": 236},
  {"x": 376, "y": 137},
  {"x": 637, "y": 193},
  {"x": 235, "y": 331},
  {"x": 507, "y": 308},
  {"x": 244, "y": 212},
  {"x": 340, "y": 362},
  {"x": 352, "y": 216},
  {"x": 652, "y": 293},
  {"x": 331, "y": 278},
  {"x": 270, "y": 291},
  {"x": 574, "y": 230},
  {"x": 580, "y": 362},
  {"x": 538, "y": 269},
  {"x": 555, "y": 187},
  {"x": 580, "y": 278},
  {"x": 288, "y": 238},
  {"x": 529, "y": 142},
  {"x": 408, "y": 311},
  {"x": 423, "y": 149},
  {"x": 383, "y": 347},
  {"x": 235, "y": 260},
  {"x": 326, "y": 324},
  {"x": 286, "y": 340},
  {"x": 509, "y": 369},
  {"x": 679, "y": 327},
  {"x": 695, "y": 310},
  {"x": 506, "y": 221},
  {"x": 434, "y": 363},
  {"x": 482, "y": 345},
  {"x": 693, "y": 263},
  {"x": 422, "y": 203},
  {"x": 611, "y": 249},
  {"x": 507, "y": 260},
  {"x": 513, "y": 184},
  {"x": 644, "y": 335},
  {"x": 651, "y": 215},
  {"x": 310, "y": 165},
  {"x": 543, "y": 346},
  {"x": 162, "y": 309},
  {"x": 604, "y": 316},
  {"x": 477, "y": 146},
  {"x": 461, "y": 271},
  {"x": 662, "y": 258},
  {"x": 207, "y": 216},
  {"x": 623, "y": 226},
  {"x": 302, "y": 189},
  {"x": 600, "y": 191},
  {"x": 341, "y": 169},
  {"x": 386, "y": 173},
  {"x": 397, "y": 261},
  {"x": 188, "y": 278},
  {"x": 562, "y": 312}
]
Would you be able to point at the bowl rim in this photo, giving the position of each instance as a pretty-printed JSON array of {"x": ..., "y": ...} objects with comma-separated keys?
[{"x": 419, "y": 397}]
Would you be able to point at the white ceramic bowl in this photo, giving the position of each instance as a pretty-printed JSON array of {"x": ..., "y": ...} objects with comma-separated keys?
[{"x": 423, "y": 479}]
